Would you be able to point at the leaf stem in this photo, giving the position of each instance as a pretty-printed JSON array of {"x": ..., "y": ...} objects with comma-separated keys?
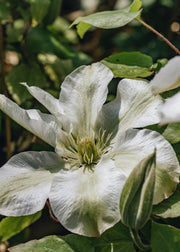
[
  {"x": 160, "y": 35},
  {"x": 5, "y": 91},
  {"x": 137, "y": 240}
]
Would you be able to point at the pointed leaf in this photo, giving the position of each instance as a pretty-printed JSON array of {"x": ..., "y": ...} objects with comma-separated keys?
[{"x": 106, "y": 19}]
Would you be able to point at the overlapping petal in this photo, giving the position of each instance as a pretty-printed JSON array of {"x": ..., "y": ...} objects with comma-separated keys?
[
  {"x": 46, "y": 99},
  {"x": 25, "y": 182},
  {"x": 83, "y": 93},
  {"x": 85, "y": 202},
  {"x": 134, "y": 145},
  {"x": 41, "y": 124},
  {"x": 170, "y": 110},
  {"x": 134, "y": 106},
  {"x": 168, "y": 77}
]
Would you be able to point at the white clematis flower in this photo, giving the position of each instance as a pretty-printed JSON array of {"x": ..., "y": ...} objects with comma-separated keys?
[{"x": 97, "y": 145}]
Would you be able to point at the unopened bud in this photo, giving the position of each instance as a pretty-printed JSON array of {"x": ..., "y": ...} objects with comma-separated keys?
[{"x": 137, "y": 194}]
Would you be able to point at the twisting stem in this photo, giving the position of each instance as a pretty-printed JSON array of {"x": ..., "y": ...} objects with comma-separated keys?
[
  {"x": 137, "y": 240},
  {"x": 4, "y": 89},
  {"x": 160, "y": 35},
  {"x": 50, "y": 212}
]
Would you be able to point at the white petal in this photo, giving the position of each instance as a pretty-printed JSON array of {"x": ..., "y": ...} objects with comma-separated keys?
[
  {"x": 134, "y": 106},
  {"x": 170, "y": 110},
  {"x": 87, "y": 203},
  {"x": 83, "y": 93},
  {"x": 25, "y": 182},
  {"x": 51, "y": 103},
  {"x": 134, "y": 145},
  {"x": 42, "y": 125},
  {"x": 168, "y": 77}
]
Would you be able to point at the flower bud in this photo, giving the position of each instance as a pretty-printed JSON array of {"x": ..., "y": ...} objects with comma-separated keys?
[{"x": 137, "y": 194}]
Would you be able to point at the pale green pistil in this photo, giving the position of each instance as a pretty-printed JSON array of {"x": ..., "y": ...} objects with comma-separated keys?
[{"x": 87, "y": 150}]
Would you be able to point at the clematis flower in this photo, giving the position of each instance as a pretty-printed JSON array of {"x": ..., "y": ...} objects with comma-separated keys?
[{"x": 97, "y": 145}]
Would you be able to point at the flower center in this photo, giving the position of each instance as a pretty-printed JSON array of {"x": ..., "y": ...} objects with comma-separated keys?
[{"x": 88, "y": 152}]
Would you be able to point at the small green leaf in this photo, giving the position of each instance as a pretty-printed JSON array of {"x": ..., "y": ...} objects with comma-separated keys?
[
  {"x": 172, "y": 133},
  {"x": 129, "y": 64},
  {"x": 136, "y": 5},
  {"x": 106, "y": 19},
  {"x": 124, "y": 71},
  {"x": 165, "y": 238},
  {"x": 169, "y": 208},
  {"x": 11, "y": 226},
  {"x": 131, "y": 59},
  {"x": 82, "y": 28},
  {"x": 137, "y": 194}
]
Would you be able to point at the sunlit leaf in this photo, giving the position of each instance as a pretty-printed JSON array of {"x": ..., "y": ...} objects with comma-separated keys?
[
  {"x": 165, "y": 238},
  {"x": 107, "y": 19},
  {"x": 11, "y": 226}
]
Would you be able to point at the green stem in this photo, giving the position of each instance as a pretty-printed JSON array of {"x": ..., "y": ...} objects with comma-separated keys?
[
  {"x": 160, "y": 35},
  {"x": 137, "y": 240}
]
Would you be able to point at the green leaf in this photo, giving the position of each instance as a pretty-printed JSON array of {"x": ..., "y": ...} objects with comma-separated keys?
[
  {"x": 49, "y": 243},
  {"x": 165, "y": 238},
  {"x": 129, "y": 64},
  {"x": 24, "y": 73},
  {"x": 135, "y": 6},
  {"x": 172, "y": 133},
  {"x": 131, "y": 59},
  {"x": 82, "y": 28},
  {"x": 69, "y": 243},
  {"x": 106, "y": 20},
  {"x": 137, "y": 194},
  {"x": 116, "y": 239},
  {"x": 39, "y": 40},
  {"x": 169, "y": 208},
  {"x": 79, "y": 243},
  {"x": 39, "y": 9},
  {"x": 11, "y": 226}
]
